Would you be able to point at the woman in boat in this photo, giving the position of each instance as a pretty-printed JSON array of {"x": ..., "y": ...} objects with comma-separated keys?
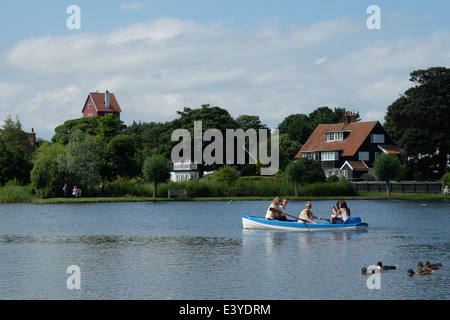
[
  {"x": 283, "y": 205},
  {"x": 274, "y": 212},
  {"x": 306, "y": 215},
  {"x": 340, "y": 214}
]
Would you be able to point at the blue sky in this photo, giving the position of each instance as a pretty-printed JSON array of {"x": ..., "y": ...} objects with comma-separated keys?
[{"x": 266, "y": 58}]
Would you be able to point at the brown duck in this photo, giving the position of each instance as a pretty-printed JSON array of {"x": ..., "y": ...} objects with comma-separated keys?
[{"x": 411, "y": 272}]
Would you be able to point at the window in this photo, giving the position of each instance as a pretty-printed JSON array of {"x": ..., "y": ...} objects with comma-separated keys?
[
  {"x": 332, "y": 172},
  {"x": 377, "y": 138},
  {"x": 335, "y": 136},
  {"x": 90, "y": 114},
  {"x": 329, "y": 156},
  {"x": 89, "y": 106},
  {"x": 311, "y": 155},
  {"x": 363, "y": 155}
]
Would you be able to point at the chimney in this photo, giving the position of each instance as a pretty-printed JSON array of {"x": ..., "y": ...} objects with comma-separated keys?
[
  {"x": 32, "y": 138},
  {"x": 349, "y": 117},
  {"x": 107, "y": 99}
]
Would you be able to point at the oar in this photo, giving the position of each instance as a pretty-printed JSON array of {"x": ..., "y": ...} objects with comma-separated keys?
[
  {"x": 295, "y": 217},
  {"x": 302, "y": 219}
]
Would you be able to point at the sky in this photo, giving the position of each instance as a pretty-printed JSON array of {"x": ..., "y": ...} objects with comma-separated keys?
[{"x": 258, "y": 57}]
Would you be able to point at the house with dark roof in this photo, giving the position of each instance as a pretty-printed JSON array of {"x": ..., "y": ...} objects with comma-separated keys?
[
  {"x": 101, "y": 104},
  {"x": 348, "y": 148}
]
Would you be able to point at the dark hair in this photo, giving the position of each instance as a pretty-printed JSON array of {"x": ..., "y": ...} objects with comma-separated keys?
[{"x": 344, "y": 205}]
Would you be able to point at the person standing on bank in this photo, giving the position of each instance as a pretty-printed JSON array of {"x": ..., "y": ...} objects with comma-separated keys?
[
  {"x": 102, "y": 188},
  {"x": 66, "y": 190}
]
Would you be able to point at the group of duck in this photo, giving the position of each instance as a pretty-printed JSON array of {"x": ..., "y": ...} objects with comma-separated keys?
[{"x": 424, "y": 269}]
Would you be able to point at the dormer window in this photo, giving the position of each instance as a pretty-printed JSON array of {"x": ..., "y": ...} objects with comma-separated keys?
[{"x": 335, "y": 136}]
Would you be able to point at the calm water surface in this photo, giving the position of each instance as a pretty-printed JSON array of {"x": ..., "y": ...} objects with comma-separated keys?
[{"x": 198, "y": 250}]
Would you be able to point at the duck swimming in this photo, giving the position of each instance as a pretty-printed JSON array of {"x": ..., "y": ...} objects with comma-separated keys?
[
  {"x": 370, "y": 270},
  {"x": 386, "y": 267},
  {"x": 433, "y": 265},
  {"x": 427, "y": 266},
  {"x": 411, "y": 272}
]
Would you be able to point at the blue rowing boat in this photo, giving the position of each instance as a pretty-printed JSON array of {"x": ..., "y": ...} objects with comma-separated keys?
[{"x": 260, "y": 223}]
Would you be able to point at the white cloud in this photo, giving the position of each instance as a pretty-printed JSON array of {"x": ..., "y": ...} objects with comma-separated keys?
[
  {"x": 159, "y": 67},
  {"x": 320, "y": 61}
]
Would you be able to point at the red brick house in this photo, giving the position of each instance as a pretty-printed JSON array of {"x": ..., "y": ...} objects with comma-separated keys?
[
  {"x": 101, "y": 104},
  {"x": 348, "y": 148}
]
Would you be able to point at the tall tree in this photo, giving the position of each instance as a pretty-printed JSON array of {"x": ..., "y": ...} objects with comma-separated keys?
[
  {"x": 297, "y": 126},
  {"x": 246, "y": 122},
  {"x": 46, "y": 179},
  {"x": 304, "y": 171},
  {"x": 156, "y": 169},
  {"x": 419, "y": 122},
  {"x": 82, "y": 160},
  {"x": 85, "y": 125},
  {"x": 15, "y": 152},
  {"x": 387, "y": 167}
]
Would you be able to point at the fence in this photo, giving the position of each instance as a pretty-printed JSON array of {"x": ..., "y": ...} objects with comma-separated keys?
[{"x": 399, "y": 187}]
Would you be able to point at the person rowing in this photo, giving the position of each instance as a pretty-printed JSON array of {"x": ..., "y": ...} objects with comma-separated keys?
[
  {"x": 306, "y": 215},
  {"x": 274, "y": 212}
]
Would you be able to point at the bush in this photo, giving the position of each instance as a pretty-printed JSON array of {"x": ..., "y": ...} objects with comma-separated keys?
[
  {"x": 328, "y": 189},
  {"x": 446, "y": 179},
  {"x": 126, "y": 187},
  {"x": 13, "y": 192}
]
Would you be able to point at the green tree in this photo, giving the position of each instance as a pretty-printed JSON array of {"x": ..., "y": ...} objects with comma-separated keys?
[
  {"x": 81, "y": 161},
  {"x": 64, "y": 132},
  {"x": 154, "y": 139},
  {"x": 246, "y": 122},
  {"x": 156, "y": 169},
  {"x": 121, "y": 157},
  {"x": 387, "y": 167},
  {"x": 46, "y": 180},
  {"x": 109, "y": 126},
  {"x": 297, "y": 127},
  {"x": 227, "y": 174},
  {"x": 288, "y": 150},
  {"x": 446, "y": 179},
  {"x": 15, "y": 152},
  {"x": 304, "y": 171},
  {"x": 419, "y": 122}
]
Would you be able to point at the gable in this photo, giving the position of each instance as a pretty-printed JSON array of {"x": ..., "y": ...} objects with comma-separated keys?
[
  {"x": 358, "y": 133},
  {"x": 355, "y": 165}
]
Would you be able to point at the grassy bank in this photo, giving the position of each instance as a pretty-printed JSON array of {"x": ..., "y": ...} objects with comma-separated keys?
[
  {"x": 123, "y": 190},
  {"x": 362, "y": 196}
]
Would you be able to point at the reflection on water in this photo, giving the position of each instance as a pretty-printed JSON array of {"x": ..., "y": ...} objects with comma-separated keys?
[
  {"x": 120, "y": 240},
  {"x": 198, "y": 250}
]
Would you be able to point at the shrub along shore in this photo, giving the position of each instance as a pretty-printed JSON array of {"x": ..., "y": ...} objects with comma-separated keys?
[{"x": 123, "y": 190}]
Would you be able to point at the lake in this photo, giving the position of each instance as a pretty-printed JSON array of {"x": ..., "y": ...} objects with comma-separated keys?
[{"x": 199, "y": 250}]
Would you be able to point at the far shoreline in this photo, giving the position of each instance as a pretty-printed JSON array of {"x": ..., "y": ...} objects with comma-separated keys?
[{"x": 362, "y": 196}]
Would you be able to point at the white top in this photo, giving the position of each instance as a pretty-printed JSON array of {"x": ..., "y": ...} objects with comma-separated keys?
[
  {"x": 344, "y": 215},
  {"x": 270, "y": 214}
]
